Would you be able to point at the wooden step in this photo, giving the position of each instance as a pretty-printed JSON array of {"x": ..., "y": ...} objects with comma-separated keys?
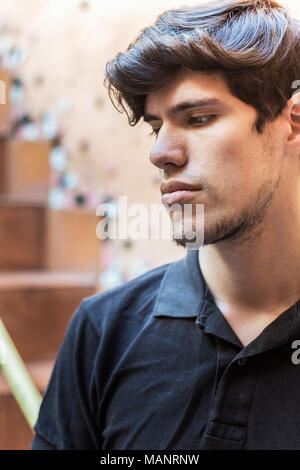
[
  {"x": 71, "y": 239},
  {"x": 15, "y": 432},
  {"x": 33, "y": 236},
  {"x": 22, "y": 234},
  {"x": 36, "y": 308},
  {"x": 25, "y": 167}
]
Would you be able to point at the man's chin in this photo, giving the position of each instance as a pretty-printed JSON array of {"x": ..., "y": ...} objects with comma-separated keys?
[
  {"x": 193, "y": 242},
  {"x": 209, "y": 237},
  {"x": 186, "y": 235},
  {"x": 223, "y": 233}
]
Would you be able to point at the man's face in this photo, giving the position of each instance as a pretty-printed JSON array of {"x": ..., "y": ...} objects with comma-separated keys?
[{"x": 216, "y": 146}]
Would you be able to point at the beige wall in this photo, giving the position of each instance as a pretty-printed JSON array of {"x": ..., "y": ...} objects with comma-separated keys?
[{"x": 68, "y": 47}]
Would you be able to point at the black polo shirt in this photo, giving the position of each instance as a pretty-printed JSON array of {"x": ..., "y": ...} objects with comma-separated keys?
[{"x": 153, "y": 364}]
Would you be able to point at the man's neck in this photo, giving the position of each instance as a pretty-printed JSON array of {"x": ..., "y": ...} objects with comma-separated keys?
[
  {"x": 252, "y": 282},
  {"x": 260, "y": 278},
  {"x": 261, "y": 271}
]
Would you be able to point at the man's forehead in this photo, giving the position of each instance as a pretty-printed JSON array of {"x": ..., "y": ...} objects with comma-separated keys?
[{"x": 187, "y": 87}]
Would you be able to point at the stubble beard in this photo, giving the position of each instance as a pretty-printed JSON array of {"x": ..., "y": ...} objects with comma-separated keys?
[{"x": 245, "y": 226}]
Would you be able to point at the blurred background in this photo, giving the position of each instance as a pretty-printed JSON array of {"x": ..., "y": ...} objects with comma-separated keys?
[{"x": 64, "y": 150}]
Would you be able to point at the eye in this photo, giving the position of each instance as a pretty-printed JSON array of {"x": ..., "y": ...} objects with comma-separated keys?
[
  {"x": 202, "y": 119},
  {"x": 155, "y": 131},
  {"x": 197, "y": 120}
]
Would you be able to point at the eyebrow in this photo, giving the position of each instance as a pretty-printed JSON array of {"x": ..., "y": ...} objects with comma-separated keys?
[{"x": 186, "y": 105}]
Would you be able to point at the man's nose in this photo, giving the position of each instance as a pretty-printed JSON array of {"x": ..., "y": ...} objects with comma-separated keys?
[{"x": 167, "y": 150}]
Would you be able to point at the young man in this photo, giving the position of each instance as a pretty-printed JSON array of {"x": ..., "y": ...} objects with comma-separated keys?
[{"x": 200, "y": 353}]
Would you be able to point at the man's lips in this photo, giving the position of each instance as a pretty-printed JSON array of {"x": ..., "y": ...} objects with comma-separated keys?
[
  {"x": 175, "y": 191},
  {"x": 179, "y": 196},
  {"x": 174, "y": 185}
]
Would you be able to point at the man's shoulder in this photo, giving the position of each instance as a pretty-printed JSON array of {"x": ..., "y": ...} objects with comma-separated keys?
[{"x": 133, "y": 300}]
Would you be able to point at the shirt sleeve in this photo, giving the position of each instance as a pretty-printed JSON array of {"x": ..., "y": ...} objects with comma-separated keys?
[{"x": 67, "y": 416}]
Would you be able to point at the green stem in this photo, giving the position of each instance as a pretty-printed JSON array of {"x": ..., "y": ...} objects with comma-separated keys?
[{"x": 22, "y": 386}]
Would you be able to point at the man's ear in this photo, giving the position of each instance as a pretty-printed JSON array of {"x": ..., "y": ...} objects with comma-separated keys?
[{"x": 293, "y": 115}]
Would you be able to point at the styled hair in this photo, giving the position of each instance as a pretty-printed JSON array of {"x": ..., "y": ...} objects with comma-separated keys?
[{"x": 253, "y": 44}]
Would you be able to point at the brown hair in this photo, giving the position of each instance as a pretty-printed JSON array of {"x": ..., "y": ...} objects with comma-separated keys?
[{"x": 254, "y": 44}]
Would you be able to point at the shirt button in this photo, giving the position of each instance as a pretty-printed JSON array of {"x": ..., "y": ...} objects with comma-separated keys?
[{"x": 242, "y": 361}]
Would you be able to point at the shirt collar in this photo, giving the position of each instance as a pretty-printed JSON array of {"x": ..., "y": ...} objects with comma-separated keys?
[
  {"x": 184, "y": 293},
  {"x": 182, "y": 290}
]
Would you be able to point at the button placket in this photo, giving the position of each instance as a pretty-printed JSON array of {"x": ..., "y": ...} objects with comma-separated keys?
[{"x": 228, "y": 419}]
